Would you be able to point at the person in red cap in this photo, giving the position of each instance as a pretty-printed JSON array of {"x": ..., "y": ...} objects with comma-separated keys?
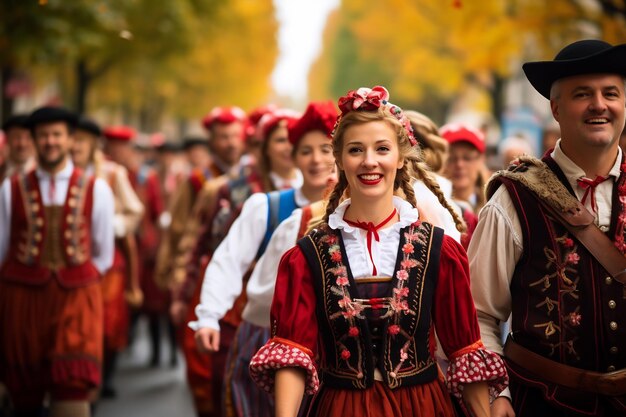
[
  {"x": 566, "y": 353},
  {"x": 145, "y": 182},
  {"x": 357, "y": 301},
  {"x": 57, "y": 241},
  {"x": 120, "y": 284},
  {"x": 226, "y": 129},
  {"x": 245, "y": 243},
  {"x": 219, "y": 206},
  {"x": 465, "y": 167}
]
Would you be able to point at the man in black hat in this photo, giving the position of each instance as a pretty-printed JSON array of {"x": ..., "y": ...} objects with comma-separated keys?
[
  {"x": 21, "y": 157},
  {"x": 566, "y": 354},
  {"x": 56, "y": 241}
]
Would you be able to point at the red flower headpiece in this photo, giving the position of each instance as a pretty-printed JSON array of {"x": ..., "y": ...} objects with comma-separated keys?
[
  {"x": 254, "y": 117},
  {"x": 317, "y": 116},
  {"x": 270, "y": 120},
  {"x": 371, "y": 99},
  {"x": 225, "y": 115}
]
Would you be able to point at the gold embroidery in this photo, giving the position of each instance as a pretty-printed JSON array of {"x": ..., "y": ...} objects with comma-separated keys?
[{"x": 550, "y": 328}]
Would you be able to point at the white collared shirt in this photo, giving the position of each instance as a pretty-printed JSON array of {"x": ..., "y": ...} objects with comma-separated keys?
[
  {"x": 384, "y": 251},
  {"x": 223, "y": 278},
  {"x": 281, "y": 183},
  {"x": 102, "y": 239},
  {"x": 497, "y": 246}
]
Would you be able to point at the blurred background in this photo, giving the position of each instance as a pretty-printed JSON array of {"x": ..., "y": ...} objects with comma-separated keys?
[{"x": 162, "y": 65}]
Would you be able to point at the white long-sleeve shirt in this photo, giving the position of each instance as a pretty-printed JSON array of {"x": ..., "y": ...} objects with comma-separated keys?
[
  {"x": 498, "y": 244},
  {"x": 102, "y": 234},
  {"x": 223, "y": 278}
]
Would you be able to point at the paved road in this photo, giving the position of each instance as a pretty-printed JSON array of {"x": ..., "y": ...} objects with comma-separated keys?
[{"x": 147, "y": 392}]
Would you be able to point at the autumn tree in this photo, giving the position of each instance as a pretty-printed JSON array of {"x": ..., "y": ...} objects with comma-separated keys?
[
  {"x": 430, "y": 52},
  {"x": 142, "y": 58}
]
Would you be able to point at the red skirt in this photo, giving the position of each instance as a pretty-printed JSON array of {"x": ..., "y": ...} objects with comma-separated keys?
[
  {"x": 50, "y": 339},
  {"x": 116, "y": 315},
  {"x": 425, "y": 400}
]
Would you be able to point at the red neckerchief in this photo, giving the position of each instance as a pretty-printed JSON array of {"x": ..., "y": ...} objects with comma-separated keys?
[
  {"x": 371, "y": 231},
  {"x": 589, "y": 186}
]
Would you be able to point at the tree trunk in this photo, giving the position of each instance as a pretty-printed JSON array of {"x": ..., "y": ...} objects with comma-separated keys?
[
  {"x": 83, "y": 80},
  {"x": 497, "y": 97},
  {"x": 6, "y": 107}
]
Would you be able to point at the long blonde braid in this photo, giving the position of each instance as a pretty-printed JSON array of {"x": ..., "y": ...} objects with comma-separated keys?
[
  {"x": 421, "y": 172},
  {"x": 335, "y": 196}
]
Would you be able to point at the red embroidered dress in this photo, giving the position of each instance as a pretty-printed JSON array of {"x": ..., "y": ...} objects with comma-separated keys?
[{"x": 370, "y": 339}]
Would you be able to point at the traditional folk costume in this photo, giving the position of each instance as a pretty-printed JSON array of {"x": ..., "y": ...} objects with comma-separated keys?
[
  {"x": 10, "y": 166},
  {"x": 566, "y": 354},
  {"x": 244, "y": 244},
  {"x": 551, "y": 284},
  {"x": 58, "y": 242},
  {"x": 240, "y": 397},
  {"x": 128, "y": 213},
  {"x": 359, "y": 317}
]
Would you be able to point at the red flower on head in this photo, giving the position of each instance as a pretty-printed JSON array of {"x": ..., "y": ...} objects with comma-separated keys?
[
  {"x": 363, "y": 99},
  {"x": 345, "y": 354}
]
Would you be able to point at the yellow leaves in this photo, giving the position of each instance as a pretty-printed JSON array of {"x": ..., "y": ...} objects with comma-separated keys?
[{"x": 425, "y": 47}]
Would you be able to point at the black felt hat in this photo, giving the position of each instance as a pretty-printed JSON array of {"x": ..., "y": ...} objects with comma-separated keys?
[
  {"x": 583, "y": 57},
  {"x": 48, "y": 114},
  {"x": 191, "y": 141},
  {"x": 89, "y": 126},
  {"x": 18, "y": 120}
]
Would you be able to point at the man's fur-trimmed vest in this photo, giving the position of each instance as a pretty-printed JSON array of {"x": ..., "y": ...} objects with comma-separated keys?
[
  {"x": 565, "y": 306},
  {"x": 52, "y": 241},
  {"x": 348, "y": 355}
]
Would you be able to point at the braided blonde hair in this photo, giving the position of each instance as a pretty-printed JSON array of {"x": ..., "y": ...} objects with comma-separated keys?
[
  {"x": 414, "y": 166},
  {"x": 434, "y": 147}
]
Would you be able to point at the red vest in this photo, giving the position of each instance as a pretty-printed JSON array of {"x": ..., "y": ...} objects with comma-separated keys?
[{"x": 41, "y": 248}]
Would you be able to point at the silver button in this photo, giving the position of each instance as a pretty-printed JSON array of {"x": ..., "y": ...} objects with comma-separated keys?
[
  {"x": 613, "y": 350},
  {"x": 613, "y": 325},
  {"x": 604, "y": 228},
  {"x": 612, "y": 304},
  {"x": 610, "y": 368},
  {"x": 608, "y": 280},
  {"x": 375, "y": 329}
]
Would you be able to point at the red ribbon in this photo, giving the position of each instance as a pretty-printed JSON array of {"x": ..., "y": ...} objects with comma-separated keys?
[
  {"x": 372, "y": 231},
  {"x": 589, "y": 186}
]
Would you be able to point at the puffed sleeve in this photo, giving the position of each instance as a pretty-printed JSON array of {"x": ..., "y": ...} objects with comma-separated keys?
[
  {"x": 457, "y": 327},
  {"x": 294, "y": 326}
]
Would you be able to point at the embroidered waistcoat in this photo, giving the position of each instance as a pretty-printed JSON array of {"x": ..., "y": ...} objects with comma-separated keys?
[
  {"x": 564, "y": 304},
  {"x": 345, "y": 335},
  {"x": 53, "y": 241},
  {"x": 230, "y": 199}
]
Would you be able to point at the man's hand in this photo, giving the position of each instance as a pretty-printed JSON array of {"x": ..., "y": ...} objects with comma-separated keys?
[
  {"x": 178, "y": 312},
  {"x": 502, "y": 407},
  {"x": 207, "y": 340}
]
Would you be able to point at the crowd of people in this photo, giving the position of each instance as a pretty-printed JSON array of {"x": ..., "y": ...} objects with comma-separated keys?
[{"x": 351, "y": 260}]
